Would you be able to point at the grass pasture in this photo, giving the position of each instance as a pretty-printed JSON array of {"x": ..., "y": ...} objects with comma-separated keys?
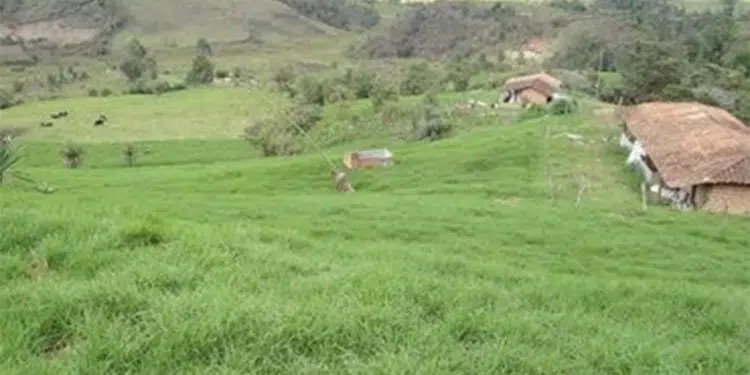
[
  {"x": 455, "y": 260},
  {"x": 192, "y": 114}
]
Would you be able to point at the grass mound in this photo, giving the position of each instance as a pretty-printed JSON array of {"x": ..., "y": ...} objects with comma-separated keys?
[{"x": 453, "y": 260}]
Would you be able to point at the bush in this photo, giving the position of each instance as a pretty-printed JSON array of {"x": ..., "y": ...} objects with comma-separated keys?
[
  {"x": 532, "y": 112},
  {"x": 361, "y": 82},
  {"x": 284, "y": 79},
  {"x": 155, "y": 87},
  {"x": 7, "y": 100},
  {"x": 563, "y": 106},
  {"x": 73, "y": 155},
  {"x": 281, "y": 136},
  {"x": 138, "y": 64},
  {"x": 18, "y": 87},
  {"x": 202, "y": 71},
  {"x": 428, "y": 124},
  {"x": 384, "y": 92},
  {"x": 417, "y": 79},
  {"x": 93, "y": 92},
  {"x": 8, "y": 158},
  {"x": 106, "y": 92},
  {"x": 129, "y": 154},
  {"x": 311, "y": 91},
  {"x": 221, "y": 74}
]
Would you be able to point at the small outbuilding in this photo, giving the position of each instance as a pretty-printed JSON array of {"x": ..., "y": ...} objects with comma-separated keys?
[
  {"x": 691, "y": 154},
  {"x": 539, "y": 89},
  {"x": 368, "y": 158}
]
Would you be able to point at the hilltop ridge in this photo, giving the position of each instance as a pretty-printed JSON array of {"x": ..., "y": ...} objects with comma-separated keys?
[{"x": 33, "y": 27}]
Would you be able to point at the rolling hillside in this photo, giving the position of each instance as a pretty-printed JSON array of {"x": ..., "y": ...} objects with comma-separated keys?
[
  {"x": 54, "y": 25},
  {"x": 469, "y": 255}
]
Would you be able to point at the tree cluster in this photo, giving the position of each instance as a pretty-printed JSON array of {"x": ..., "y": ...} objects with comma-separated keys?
[
  {"x": 341, "y": 14},
  {"x": 661, "y": 51},
  {"x": 448, "y": 30}
]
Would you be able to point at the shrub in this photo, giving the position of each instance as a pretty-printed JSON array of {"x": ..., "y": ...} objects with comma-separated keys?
[
  {"x": 417, "y": 79},
  {"x": 129, "y": 154},
  {"x": 383, "y": 91},
  {"x": 18, "y": 87},
  {"x": 155, "y": 87},
  {"x": 202, "y": 71},
  {"x": 73, "y": 155},
  {"x": 221, "y": 74},
  {"x": 203, "y": 48},
  {"x": 93, "y": 92},
  {"x": 428, "y": 124},
  {"x": 563, "y": 106},
  {"x": 280, "y": 136},
  {"x": 8, "y": 158},
  {"x": 311, "y": 91},
  {"x": 7, "y": 100},
  {"x": 306, "y": 117},
  {"x": 106, "y": 92},
  {"x": 284, "y": 79},
  {"x": 531, "y": 112},
  {"x": 138, "y": 64},
  {"x": 362, "y": 82}
]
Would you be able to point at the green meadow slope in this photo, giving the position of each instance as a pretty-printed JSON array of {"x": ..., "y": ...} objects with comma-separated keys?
[
  {"x": 51, "y": 26},
  {"x": 470, "y": 255}
]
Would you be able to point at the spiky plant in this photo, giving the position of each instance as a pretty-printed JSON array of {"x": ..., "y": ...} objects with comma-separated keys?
[
  {"x": 8, "y": 158},
  {"x": 72, "y": 155},
  {"x": 128, "y": 155}
]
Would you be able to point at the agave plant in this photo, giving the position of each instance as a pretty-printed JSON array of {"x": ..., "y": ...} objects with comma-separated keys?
[
  {"x": 8, "y": 158},
  {"x": 72, "y": 155},
  {"x": 128, "y": 154}
]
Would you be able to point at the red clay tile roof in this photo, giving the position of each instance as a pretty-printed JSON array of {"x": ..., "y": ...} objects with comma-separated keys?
[
  {"x": 542, "y": 82},
  {"x": 692, "y": 143}
]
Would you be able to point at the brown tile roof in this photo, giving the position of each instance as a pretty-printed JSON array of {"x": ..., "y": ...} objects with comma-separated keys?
[
  {"x": 542, "y": 82},
  {"x": 692, "y": 143}
]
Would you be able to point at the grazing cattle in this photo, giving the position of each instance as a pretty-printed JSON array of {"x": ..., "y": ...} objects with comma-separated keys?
[
  {"x": 101, "y": 120},
  {"x": 46, "y": 124},
  {"x": 59, "y": 115}
]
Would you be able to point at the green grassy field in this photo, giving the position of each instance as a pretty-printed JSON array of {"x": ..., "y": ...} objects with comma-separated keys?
[
  {"x": 469, "y": 255},
  {"x": 505, "y": 249}
]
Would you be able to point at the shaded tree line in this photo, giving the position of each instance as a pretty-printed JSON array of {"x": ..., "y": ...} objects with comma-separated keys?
[
  {"x": 661, "y": 51},
  {"x": 341, "y": 14},
  {"x": 449, "y": 30}
]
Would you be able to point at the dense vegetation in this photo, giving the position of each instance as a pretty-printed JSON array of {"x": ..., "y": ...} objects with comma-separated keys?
[
  {"x": 341, "y": 14},
  {"x": 450, "y": 30}
]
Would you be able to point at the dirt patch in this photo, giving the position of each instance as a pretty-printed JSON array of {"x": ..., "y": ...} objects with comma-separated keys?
[
  {"x": 51, "y": 31},
  {"x": 510, "y": 201}
]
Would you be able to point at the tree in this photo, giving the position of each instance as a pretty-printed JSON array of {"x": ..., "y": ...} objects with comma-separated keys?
[
  {"x": 202, "y": 48},
  {"x": 137, "y": 63},
  {"x": 284, "y": 78},
  {"x": 647, "y": 67},
  {"x": 201, "y": 72},
  {"x": 311, "y": 91},
  {"x": 418, "y": 79}
]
